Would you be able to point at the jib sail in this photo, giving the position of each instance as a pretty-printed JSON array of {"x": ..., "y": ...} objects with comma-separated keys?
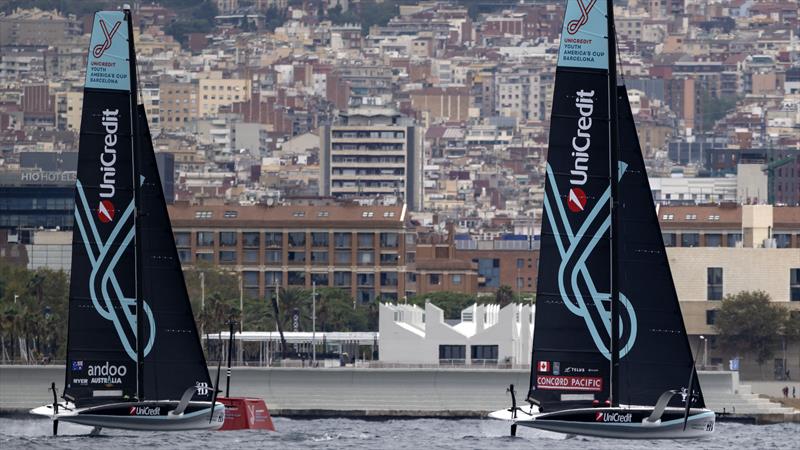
[
  {"x": 571, "y": 333},
  {"x": 101, "y": 349},
  {"x": 660, "y": 357},
  {"x": 176, "y": 360}
]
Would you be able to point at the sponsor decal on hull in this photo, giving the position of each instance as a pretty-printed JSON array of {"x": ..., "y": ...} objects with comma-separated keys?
[
  {"x": 145, "y": 411},
  {"x": 613, "y": 417},
  {"x": 568, "y": 383}
]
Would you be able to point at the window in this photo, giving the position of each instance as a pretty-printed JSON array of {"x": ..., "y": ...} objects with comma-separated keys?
[
  {"x": 250, "y": 279},
  {"x": 342, "y": 279},
  {"x": 734, "y": 239},
  {"x": 520, "y": 263},
  {"x": 319, "y": 258},
  {"x": 319, "y": 239},
  {"x": 366, "y": 240},
  {"x": 520, "y": 283},
  {"x": 231, "y": 214},
  {"x": 388, "y": 278},
  {"x": 203, "y": 215},
  {"x": 205, "y": 238},
  {"x": 296, "y": 278},
  {"x": 296, "y": 257},
  {"x": 435, "y": 279},
  {"x": 342, "y": 257},
  {"x": 274, "y": 257},
  {"x": 411, "y": 257},
  {"x": 483, "y": 353},
  {"x": 342, "y": 240},
  {"x": 711, "y": 316},
  {"x": 365, "y": 295},
  {"x": 297, "y": 239},
  {"x": 204, "y": 256},
  {"x": 250, "y": 239},
  {"x": 389, "y": 240},
  {"x": 250, "y": 255},
  {"x": 273, "y": 239},
  {"x": 227, "y": 256},
  {"x": 714, "y": 240},
  {"x": 389, "y": 259},
  {"x": 452, "y": 354},
  {"x": 184, "y": 255},
  {"x": 783, "y": 240},
  {"x": 183, "y": 239},
  {"x": 670, "y": 239},
  {"x": 690, "y": 240},
  {"x": 366, "y": 258},
  {"x": 272, "y": 278},
  {"x": 365, "y": 279},
  {"x": 794, "y": 285},
  {"x": 321, "y": 279},
  {"x": 455, "y": 279},
  {"x": 488, "y": 272},
  {"x": 715, "y": 283},
  {"x": 227, "y": 239}
]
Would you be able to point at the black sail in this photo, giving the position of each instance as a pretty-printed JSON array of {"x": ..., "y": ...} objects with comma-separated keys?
[
  {"x": 660, "y": 358},
  {"x": 101, "y": 347},
  {"x": 176, "y": 360},
  {"x": 571, "y": 334}
]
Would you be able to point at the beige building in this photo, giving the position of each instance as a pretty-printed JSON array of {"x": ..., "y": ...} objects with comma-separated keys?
[
  {"x": 178, "y": 105},
  {"x": 214, "y": 93},
  {"x": 69, "y": 107},
  {"x": 724, "y": 251},
  {"x": 33, "y": 27}
]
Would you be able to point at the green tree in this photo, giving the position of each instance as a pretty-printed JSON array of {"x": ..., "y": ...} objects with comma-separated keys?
[
  {"x": 748, "y": 322},
  {"x": 504, "y": 295},
  {"x": 713, "y": 109},
  {"x": 450, "y": 302}
]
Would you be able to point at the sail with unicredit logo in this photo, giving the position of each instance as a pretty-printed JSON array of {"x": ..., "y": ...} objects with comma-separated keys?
[
  {"x": 611, "y": 356},
  {"x": 134, "y": 359}
]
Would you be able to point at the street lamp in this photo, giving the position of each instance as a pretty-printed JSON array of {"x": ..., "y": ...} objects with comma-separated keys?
[{"x": 705, "y": 351}]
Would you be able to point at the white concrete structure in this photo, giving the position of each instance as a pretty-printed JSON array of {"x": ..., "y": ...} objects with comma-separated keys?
[{"x": 486, "y": 335}]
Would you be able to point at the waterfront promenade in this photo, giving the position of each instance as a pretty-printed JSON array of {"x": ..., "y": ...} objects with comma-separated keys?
[{"x": 362, "y": 392}]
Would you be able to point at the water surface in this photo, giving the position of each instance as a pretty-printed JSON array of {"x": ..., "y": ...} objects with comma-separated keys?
[{"x": 26, "y": 432}]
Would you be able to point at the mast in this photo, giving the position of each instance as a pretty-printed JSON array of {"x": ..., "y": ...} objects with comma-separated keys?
[
  {"x": 614, "y": 203},
  {"x": 137, "y": 194}
]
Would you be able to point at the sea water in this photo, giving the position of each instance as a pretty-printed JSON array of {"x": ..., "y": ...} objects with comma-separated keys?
[{"x": 419, "y": 434}]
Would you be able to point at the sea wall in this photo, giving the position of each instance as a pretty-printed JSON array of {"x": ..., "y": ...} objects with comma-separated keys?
[{"x": 345, "y": 391}]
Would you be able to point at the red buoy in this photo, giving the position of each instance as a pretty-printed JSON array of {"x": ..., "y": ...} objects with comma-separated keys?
[{"x": 246, "y": 414}]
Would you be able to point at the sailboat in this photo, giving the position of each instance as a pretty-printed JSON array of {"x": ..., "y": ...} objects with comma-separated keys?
[
  {"x": 134, "y": 358},
  {"x": 611, "y": 357}
]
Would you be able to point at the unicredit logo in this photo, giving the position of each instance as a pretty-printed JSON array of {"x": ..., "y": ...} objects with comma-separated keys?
[
  {"x": 105, "y": 211},
  {"x": 144, "y": 411},
  {"x": 576, "y": 200},
  {"x": 614, "y": 417}
]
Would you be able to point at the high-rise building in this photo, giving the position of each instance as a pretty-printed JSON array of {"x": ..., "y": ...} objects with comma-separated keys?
[
  {"x": 372, "y": 153},
  {"x": 179, "y": 104}
]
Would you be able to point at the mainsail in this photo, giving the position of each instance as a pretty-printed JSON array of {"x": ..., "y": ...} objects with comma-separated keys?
[
  {"x": 101, "y": 348},
  {"x": 572, "y": 349},
  {"x": 103, "y": 352},
  {"x": 571, "y": 353}
]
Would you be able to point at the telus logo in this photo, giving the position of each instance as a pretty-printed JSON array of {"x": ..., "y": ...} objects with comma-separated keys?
[
  {"x": 584, "y": 102},
  {"x": 106, "y": 210}
]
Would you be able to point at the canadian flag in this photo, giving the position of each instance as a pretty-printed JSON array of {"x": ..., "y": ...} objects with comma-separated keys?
[{"x": 544, "y": 366}]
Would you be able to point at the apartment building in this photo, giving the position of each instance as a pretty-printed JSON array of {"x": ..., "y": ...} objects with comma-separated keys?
[
  {"x": 214, "y": 93},
  {"x": 178, "y": 104},
  {"x": 371, "y": 153},
  {"x": 364, "y": 249}
]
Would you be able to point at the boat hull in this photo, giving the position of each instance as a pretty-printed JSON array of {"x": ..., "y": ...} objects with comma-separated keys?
[
  {"x": 620, "y": 423},
  {"x": 142, "y": 416}
]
